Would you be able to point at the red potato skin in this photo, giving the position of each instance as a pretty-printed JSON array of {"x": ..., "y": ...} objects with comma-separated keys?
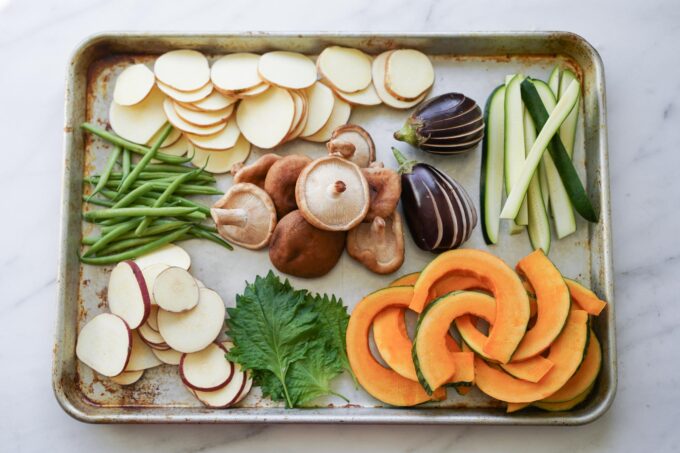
[
  {"x": 142, "y": 288},
  {"x": 210, "y": 389},
  {"x": 233, "y": 401},
  {"x": 129, "y": 332}
]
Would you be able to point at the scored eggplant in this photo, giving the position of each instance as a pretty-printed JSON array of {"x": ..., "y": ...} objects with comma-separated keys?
[
  {"x": 439, "y": 212},
  {"x": 450, "y": 123}
]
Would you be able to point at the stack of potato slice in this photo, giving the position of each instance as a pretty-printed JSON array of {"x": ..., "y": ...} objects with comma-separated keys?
[
  {"x": 161, "y": 314},
  {"x": 265, "y": 100}
]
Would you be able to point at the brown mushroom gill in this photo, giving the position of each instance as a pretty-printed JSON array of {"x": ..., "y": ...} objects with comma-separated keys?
[
  {"x": 245, "y": 215},
  {"x": 385, "y": 190}
]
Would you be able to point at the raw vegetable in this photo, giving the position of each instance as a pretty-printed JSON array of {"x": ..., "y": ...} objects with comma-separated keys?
[
  {"x": 266, "y": 119},
  {"x": 236, "y": 72},
  {"x": 141, "y": 357},
  {"x": 378, "y": 75},
  {"x": 585, "y": 298},
  {"x": 408, "y": 74},
  {"x": 514, "y": 145},
  {"x": 381, "y": 383},
  {"x": 287, "y": 69},
  {"x": 128, "y": 296},
  {"x": 512, "y": 312},
  {"x": 450, "y": 123},
  {"x": 133, "y": 85},
  {"x": 546, "y": 137},
  {"x": 566, "y": 353},
  {"x": 491, "y": 179},
  {"x": 127, "y": 377},
  {"x": 560, "y": 205},
  {"x": 184, "y": 70},
  {"x": 175, "y": 290},
  {"x": 344, "y": 68},
  {"x": 138, "y": 123},
  {"x": 568, "y": 128},
  {"x": 353, "y": 143},
  {"x": 339, "y": 116},
  {"x": 104, "y": 344},
  {"x": 292, "y": 341},
  {"x": 439, "y": 212},
  {"x": 378, "y": 245},
  {"x": 207, "y": 369},
  {"x": 539, "y": 225}
]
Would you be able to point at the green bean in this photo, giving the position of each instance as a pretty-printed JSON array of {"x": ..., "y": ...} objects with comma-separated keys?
[
  {"x": 164, "y": 197},
  {"x": 89, "y": 240},
  {"x": 211, "y": 237},
  {"x": 128, "y": 243},
  {"x": 155, "y": 175},
  {"x": 106, "y": 174},
  {"x": 137, "y": 251},
  {"x": 158, "y": 228},
  {"x": 134, "y": 147},
  {"x": 138, "y": 211},
  {"x": 133, "y": 195},
  {"x": 184, "y": 189},
  {"x": 127, "y": 162},
  {"x": 132, "y": 177},
  {"x": 109, "y": 237},
  {"x": 184, "y": 202},
  {"x": 98, "y": 202},
  {"x": 208, "y": 228},
  {"x": 167, "y": 168},
  {"x": 106, "y": 228}
]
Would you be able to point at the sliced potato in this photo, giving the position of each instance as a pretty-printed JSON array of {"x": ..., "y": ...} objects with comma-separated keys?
[
  {"x": 320, "y": 101},
  {"x": 266, "y": 119},
  {"x": 152, "y": 337},
  {"x": 207, "y": 369},
  {"x": 175, "y": 290},
  {"x": 141, "y": 357},
  {"x": 193, "y": 330},
  {"x": 127, "y": 377},
  {"x": 368, "y": 96},
  {"x": 300, "y": 107},
  {"x": 138, "y": 123},
  {"x": 185, "y": 126},
  {"x": 236, "y": 72},
  {"x": 168, "y": 356},
  {"x": 184, "y": 70},
  {"x": 379, "y": 84},
  {"x": 408, "y": 74},
  {"x": 259, "y": 89},
  {"x": 227, "y": 395},
  {"x": 152, "y": 320},
  {"x": 340, "y": 115},
  {"x": 224, "y": 139},
  {"x": 179, "y": 148},
  {"x": 127, "y": 294},
  {"x": 287, "y": 69},
  {"x": 302, "y": 121},
  {"x": 187, "y": 96},
  {"x": 344, "y": 68},
  {"x": 133, "y": 85},
  {"x": 216, "y": 101},
  {"x": 170, "y": 255},
  {"x": 104, "y": 344},
  {"x": 219, "y": 162},
  {"x": 174, "y": 136},
  {"x": 203, "y": 119}
]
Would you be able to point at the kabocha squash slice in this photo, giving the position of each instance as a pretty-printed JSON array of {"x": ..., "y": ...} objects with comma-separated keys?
[
  {"x": 552, "y": 300},
  {"x": 381, "y": 383},
  {"x": 431, "y": 354},
  {"x": 464, "y": 388},
  {"x": 585, "y": 298},
  {"x": 394, "y": 345},
  {"x": 531, "y": 370},
  {"x": 511, "y": 299},
  {"x": 583, "y": 378},
  {"x": 566, "y": 353},
  {"x": 565, "y": 405},
  {"x": 406, "y": 280}
]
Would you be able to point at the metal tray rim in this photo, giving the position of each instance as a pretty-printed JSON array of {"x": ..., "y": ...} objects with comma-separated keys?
[{"x": 392, "y": 415}]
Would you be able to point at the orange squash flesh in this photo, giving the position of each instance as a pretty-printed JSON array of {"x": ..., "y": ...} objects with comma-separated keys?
[
  {"x": 566, "y": 353},
  {"x": 514, "y": 407},
  {"x": 464, "y": 389},
  {"x": 380, "y": 382},
  {"x": 585, "y": 298},
  {"x": 512, "y": 310},
  {"x": 406, "y": 280},
  {"x": 430, "y": 350},
  {"x": 531, "y": 370},
  {"x": 553, "y": 304},
  {"x": 565, "y": 405},
  {"x": 393, "y": 342},
  {"x": 584, "y": 377}
]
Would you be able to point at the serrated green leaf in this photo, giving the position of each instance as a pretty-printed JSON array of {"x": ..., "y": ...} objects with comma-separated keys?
[
  {"x": 271, "y": 327},
  {"x": 311, "y": 377}
]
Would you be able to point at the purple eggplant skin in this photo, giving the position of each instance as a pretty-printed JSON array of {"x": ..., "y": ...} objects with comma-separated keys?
[
  {"x": 439, "y": 212},
  {"x": 450, "y": 119}
]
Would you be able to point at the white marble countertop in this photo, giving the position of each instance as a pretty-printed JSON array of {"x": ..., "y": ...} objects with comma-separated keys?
[{"x": 638, "y": 43}]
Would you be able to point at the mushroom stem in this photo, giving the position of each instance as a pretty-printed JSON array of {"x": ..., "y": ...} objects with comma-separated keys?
[
  {"x": 342, "y": 147},
  {"x": 337, "y": 188},
  {"x": 378, "y": 230},
  {"x": 234, "y": 217}
]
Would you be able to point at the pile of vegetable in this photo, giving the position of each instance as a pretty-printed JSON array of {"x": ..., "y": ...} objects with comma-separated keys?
[
  {"x": 160, "y": 314},
  {"x": 219, "y": 110},
  {"x": 540, "y": 349},
  {"x": 292, "y": 341},
  {"x": 524, "y": 117},
  {"x": 144, "y": 205},
  {"x": 308, "y": 211}
]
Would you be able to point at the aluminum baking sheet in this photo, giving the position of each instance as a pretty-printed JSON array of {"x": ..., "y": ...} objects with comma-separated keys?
[{"x": 470, "y": 63}]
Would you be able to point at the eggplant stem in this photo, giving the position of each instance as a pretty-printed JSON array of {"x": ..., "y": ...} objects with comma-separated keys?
[
  {"x": 405, "y": 166},
  {"x": 407, "y": 134}
]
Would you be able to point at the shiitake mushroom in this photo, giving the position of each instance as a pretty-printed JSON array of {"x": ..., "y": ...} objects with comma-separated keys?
[
  {"x": 256, "y": 172},
  {"x": 280, "y": 182}
]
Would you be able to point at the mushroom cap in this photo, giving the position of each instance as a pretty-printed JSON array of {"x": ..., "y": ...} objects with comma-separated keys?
[
  {"x": 281, "y": 179},
  {"x": 385, "y": 190},
  {"x": 256, "y": 172},
  {"x": 299, "y": 249},
  {"x": 332, "y": 194},
  {"x": 245, "y": 215},
  {"x": 379, "y": 245},
  {"x": 353, "y": 143}
]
